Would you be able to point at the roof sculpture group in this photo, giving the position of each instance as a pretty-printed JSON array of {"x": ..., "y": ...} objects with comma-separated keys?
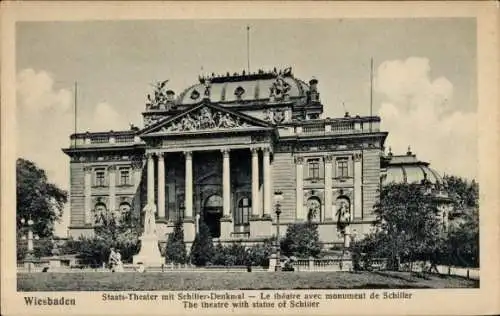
[{"x": 163, "y": 98}]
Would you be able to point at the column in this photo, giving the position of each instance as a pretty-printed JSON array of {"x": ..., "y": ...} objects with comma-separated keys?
[
  {"x": 255, "y": 182},
  {"x": 226, "y": 183},
  {"x": 188, "y": 191},
  {"x": 137, "y": 178},
  {"x": 358, "y": 183},
  {"x": 88, "y": 195},
  {"x": 112, "y": 189},
  {"x": 151, "y": 180},
  {"x": 328, "y": 188},
  {"x": 161, "y": 185},
  {"x": 267, "y": 182},
  {"x": 299, "y": 187}
]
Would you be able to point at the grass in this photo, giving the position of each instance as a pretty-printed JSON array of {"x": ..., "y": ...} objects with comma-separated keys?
[{"x": 177, "y": 281}]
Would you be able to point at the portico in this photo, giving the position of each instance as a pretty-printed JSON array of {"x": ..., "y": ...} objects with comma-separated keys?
[
  {"x": 198, "y": 190},
  {"x": 217, "y": 170}
]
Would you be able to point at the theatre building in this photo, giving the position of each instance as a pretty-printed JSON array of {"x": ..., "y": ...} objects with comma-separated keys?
[{"x": 220, "y": 151}]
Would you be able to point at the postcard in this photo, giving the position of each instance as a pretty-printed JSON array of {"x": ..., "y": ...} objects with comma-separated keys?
[{"x": 250, "y": 158}]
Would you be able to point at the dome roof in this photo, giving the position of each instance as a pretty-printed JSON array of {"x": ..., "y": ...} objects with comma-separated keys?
[
  {"x": 242, "y": 88},
  {"x": 408, "y": 169}
]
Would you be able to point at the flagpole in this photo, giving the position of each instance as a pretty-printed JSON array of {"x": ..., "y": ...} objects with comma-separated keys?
[
  {"x": 248, "y": 49},
  {"x": 371, "y": 92},
  {"x": 76, "y": 104}
]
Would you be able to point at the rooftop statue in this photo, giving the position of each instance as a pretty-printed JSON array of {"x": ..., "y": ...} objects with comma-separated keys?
[
  {"x": 279, "y": 89},
  {"x": 160, "y": 96}
]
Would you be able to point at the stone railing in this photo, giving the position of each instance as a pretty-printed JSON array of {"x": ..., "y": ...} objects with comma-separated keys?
[
  {"x": 336, "y": 126},
  {"x": 103, "y": 139},
  {"x": 323, "y": 264}
]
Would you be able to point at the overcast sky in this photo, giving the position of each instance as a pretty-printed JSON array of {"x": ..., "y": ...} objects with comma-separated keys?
[{"x": 425, "y": 86}]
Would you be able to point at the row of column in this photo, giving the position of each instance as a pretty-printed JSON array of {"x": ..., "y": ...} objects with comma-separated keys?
[
  {"x": 328, "y": 184},
  {"x": 226, "y": 182}
]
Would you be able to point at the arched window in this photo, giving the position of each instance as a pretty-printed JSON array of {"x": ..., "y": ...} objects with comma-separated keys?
[
  {"x": 242, "y": 215},
  {"x": 313, "y": 209},
  {"x": 124, "y": 211},
  {"x": 100, "y": 210}
]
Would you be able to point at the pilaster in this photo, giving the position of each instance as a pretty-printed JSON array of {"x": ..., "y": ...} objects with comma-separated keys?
[
  {"x": 328, "y": 209},
  {"x": 299, "y": 187},
  {"x": 87, "y": 195},
  {"x": 112, "y": 188},
  {"x": 358, "y": 183}
]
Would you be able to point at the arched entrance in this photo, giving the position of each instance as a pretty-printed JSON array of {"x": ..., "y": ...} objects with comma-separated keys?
[{"x": 212, "y": 212}]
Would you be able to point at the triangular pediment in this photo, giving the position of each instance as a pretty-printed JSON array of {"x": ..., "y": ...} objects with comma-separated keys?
[{"x": 206, "y": 117}]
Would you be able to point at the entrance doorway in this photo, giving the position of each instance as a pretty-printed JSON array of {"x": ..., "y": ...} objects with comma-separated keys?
[{"x": 212, "y": 213}]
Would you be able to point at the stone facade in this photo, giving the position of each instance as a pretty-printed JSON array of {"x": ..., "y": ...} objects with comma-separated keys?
[{"x": 217, "y": 155}]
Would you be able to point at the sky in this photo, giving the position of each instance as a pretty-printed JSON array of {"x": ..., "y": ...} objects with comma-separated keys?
[{"x": 424, "y": 87}]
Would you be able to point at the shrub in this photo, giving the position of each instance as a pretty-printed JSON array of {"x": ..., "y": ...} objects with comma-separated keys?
[
  {"x": 219, "y": 256},
  {"x": 301, "y": 240},
  {"x": 237, "y": 255},
  {"x": 175, "y": 250},
  {"x": 202, "y": 250},
  {"x": 259, "y": 254}
]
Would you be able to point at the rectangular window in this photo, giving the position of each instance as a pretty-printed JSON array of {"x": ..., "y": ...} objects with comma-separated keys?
[
  {"x": 342, "y": 168},
  {"x": 100, "y": 177},
  {"x": 124, "y": 176},
  {"x": 313, "y": 169}
]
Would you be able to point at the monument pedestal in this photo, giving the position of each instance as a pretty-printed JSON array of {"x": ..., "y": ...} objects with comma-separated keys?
[{"x": 149, "y": 254}]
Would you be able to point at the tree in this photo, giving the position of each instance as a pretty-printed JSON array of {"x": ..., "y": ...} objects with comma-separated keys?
[
  {"x": 37, "y": 199},
  {"x": 202, "y": 250},
  {"x": 462, "y": 243},
  {"x": 301, "y": 240},
  {"x": 464, "y": 192},
  {"x": 119, "y": 232},
  {"x": 175, "y": 251},
  {"x": 407, "y": 225}
]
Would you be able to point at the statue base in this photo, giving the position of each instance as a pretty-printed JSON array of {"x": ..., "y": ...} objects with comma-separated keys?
[{"x": 149, "y": 254}]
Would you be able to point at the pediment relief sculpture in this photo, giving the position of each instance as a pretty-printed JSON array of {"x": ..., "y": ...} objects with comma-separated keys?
[{"x": 205, "y": 119}]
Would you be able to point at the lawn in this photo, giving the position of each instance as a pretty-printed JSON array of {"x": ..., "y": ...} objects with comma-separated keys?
[{"x": 177, "y": 281}]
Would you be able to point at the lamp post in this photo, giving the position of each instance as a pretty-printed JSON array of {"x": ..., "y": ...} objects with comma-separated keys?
[
  {"x": 28, "y": 259},
  {"x": 278, "y": 197}
]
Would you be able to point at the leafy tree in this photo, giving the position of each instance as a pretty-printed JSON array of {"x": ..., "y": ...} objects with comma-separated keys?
[
  {"x": 37, "y": 199},
  {"x": 407, "y": 226},
  {"x": 112, "y": 232},
  {"x": 301, "y": 240},
  {"x": 202, "y": 250},
  {"x": 461, "y": 246},
  {"x": 175, "y": 250},
  {"x": 464, "y": 192}
]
